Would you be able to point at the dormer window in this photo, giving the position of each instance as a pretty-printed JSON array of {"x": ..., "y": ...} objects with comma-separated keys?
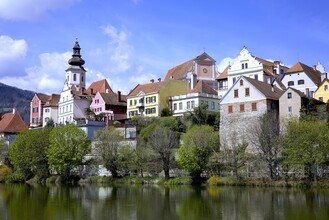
[
  {"x": 301, "y": 82},
  {"x": 290, "y": 83}
]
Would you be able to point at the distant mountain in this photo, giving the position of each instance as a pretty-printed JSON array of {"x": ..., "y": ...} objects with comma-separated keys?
[{"x": 12, "y": 97}]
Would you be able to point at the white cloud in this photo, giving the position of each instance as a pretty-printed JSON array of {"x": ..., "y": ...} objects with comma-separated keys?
[
  {"x": 12, "y": 55},
  {"x": 30, "y": 9},
  {"x": 224, "y": 63},
  {"x": 118, "y": 49},
  {"x": 48, "y": 77}
]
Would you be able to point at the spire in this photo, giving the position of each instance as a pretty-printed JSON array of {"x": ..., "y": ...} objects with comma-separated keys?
[{"x": 76, "y": 59}]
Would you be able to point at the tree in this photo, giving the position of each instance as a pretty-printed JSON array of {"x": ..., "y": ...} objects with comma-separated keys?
[
  {"x": 199, "y": 143},
  {"x": 163, "y": 141},
  {"x": 306, "y": 143},
  {"x": 106, "y": 146},
  {"x": 266, "y": 137},
  {"x": 201, "y": 116},
  {"x": 4, "y": 150},
  {"x": 68, "y": 145},
  {"x": 28, "y": 152},
  {"x": 165, "y": 112},
  {"x": 50, "y": 123}
]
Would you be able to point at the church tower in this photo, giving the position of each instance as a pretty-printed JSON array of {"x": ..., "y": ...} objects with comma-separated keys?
[{"x": 76, "y": 74}]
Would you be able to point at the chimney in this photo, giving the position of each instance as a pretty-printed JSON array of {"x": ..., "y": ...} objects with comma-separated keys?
[
  {"x": 14, "y": 110},
  {"x": 159, "y": 79},
  {"x": 92, "y": 91},
  {"x": 152, "y": 80},
  {"x": 107, "y": 91},
  {"x": 119, "y": 96}
]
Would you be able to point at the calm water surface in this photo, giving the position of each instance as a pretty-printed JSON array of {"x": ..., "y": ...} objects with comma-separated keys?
[{"x": 20, "y": 202}]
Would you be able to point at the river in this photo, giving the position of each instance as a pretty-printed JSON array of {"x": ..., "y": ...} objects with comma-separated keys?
[{"x": 25, "y": 202}]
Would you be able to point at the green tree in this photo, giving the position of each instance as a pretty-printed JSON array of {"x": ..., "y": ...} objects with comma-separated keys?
[
  {"x": 106, "y": 146},
  {"x": 165, "y": 112},
  {"x": 68, "y": 145},
  {"x": 4, "y": 151},
  {"x": 28, "y": 152},
  {"x": 50, "y": 123},
  {"x": 199, "y": 143},
  {"x": 163, "y": 141},
  {"x": 306, "y": 143},
  {"x": 201, "y": 116}
]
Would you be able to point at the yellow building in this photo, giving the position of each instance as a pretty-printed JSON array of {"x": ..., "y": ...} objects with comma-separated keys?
[
  {"x": 149, "y": 99},
  {"x": 322, "y": 93}
]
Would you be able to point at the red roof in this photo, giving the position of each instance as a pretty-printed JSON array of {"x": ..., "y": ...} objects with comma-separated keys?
[
  {"x": 223, "y": 75},
  {"x": 314, "y": 75},
  {"x": 12, "y": 123},
  {"x": 146, "y": 88},
  {"x": 99, "y": 86},
  {"x": 203, "y": 87}
]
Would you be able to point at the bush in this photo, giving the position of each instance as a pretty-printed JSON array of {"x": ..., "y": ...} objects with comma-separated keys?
[
  {"x": 16, "y": 177},
  {"x": 214, "y": 180},
  {"x": 4, "y": 171},
  {"x": 116, "y": 123}
]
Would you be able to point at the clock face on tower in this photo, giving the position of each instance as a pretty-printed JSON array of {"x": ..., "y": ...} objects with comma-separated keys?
[{"x": 205, "y": 70}]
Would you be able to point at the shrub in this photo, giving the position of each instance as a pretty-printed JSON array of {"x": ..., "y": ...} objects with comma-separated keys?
[
  {"x": 4, "y": 170},
  {"x": 214, "y": 180},
  {"x": 16, "y": 177}
]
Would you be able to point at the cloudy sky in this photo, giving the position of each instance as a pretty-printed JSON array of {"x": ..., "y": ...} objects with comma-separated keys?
[{"x": 132, "y": 41}]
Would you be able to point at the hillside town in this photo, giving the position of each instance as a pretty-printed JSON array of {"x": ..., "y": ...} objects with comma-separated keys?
[{"x": 244, "y": 92}]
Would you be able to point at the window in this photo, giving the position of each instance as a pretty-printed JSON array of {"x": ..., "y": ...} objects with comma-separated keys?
[
  {"x": 46, "y": 119},
  {"x": 325, "y": 87},
  {"x": 180, "y": 106},
  {"x": 153, "y": 110},
  {"x": 289, "y": 95},
  {"x": 175, "y": 106},
  {"x": 147, "y": 100},
  {"x": 230, "y": 109},
  {"x": 321, "y": 99},
  {"x": 256, "y": 77},
  {"x": 242, "y": 66},
  {"x": 47, "y": 110},
  {"x": 212, "y": 105},
  {"x": 234, "y": 79},
  {"x": 236, "y": 93},
  {"x": 241, "y": 82},
  {"x": 81, "y": 78},
  {"x": 135, "y": 102},
  {"x": 130, "y": 102},
  {"x": 148, "y": 111},
  {"x": 246, "y": 65},
  {"x": 74, "y": 77},
  {"x": 254, "y": 106},
  {"x": 241, "y": 107},
  {"x": 35, "y": 109},
  {"x": 290, "y": 83},
  {"x": 247, "y": 91},
  {"x": 301, "y": 82},
  {"x": 289, "y": 109},
  {"x": 188, "y": 105},
  {"x": 192, "y": 104},
  {"x": 153, "y": 99}
]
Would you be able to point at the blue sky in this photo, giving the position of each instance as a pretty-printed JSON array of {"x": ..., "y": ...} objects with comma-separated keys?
[{"x": 132, "y": 41}]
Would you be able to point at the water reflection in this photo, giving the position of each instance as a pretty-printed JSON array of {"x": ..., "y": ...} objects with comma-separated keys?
[{"x": 19, "y": 202}]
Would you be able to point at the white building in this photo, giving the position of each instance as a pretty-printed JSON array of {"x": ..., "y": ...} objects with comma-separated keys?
[
  {"x": 245, "y": 64},
  {"x": 302, "y": 77},
  {"x": 50, "y": 109},
  {"x": 201, "y": 93}
]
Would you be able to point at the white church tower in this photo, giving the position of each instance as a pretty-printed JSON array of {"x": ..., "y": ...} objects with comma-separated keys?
[{"x": 73, "y": 98}]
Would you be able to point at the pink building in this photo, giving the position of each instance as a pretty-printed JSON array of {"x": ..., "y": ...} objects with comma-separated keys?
[{"x": 36, "y": 115}]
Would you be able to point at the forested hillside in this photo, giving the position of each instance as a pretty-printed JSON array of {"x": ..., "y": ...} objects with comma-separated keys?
[{"x": 12, "y": 97}]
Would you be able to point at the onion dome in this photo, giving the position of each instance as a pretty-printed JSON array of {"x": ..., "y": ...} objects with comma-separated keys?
[{"x": 76, "y": 59}]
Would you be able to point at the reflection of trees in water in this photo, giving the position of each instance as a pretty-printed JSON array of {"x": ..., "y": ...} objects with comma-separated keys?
[{"x": 152, "y": 202}]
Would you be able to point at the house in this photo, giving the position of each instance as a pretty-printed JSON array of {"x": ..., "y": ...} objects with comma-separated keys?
[
  {"x": 293, "y": 102},
  {"x": 149, "y": 99},
  {"x": 113, "y": 105},
  {"x": 11, "y": 124},
  {"x": 303, "y": 78},
  {"x": 50, "y": 109},
  {"x": 222, "y": 82},
  {"x": 245, "y": 64},
  {"x": 36, "y": 112},
  {"x": 322, "y": 93},
  {"x": 202, "y": 67},
  {"x": 240, "y": 108},
  {"x": 201, "y": 93}
]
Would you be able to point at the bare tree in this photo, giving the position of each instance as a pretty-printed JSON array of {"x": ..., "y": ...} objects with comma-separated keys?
[
  {"x": 163, "y": 141},
  {"x": 106, "y": 147},
  {"x": 265, "y": 136}
]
